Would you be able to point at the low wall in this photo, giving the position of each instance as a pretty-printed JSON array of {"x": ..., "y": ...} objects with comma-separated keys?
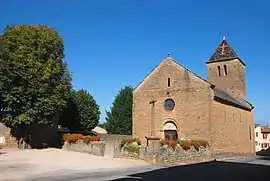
[
  {"x": 6, "y": 138},
  {"x": 166, "y": 155},
  {"x": 95, "y": 148}
]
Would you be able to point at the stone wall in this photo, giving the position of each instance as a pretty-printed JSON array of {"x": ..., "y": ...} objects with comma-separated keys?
[
  {"x": 95, "y": 148},
  {"x": 167, "y": 156},
  {"x": 190, "y": 93},
  {"x": 7, "y": 138}
]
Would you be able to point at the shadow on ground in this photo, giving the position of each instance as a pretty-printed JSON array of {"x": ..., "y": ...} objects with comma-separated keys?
[{"x": 210, "y": 171}]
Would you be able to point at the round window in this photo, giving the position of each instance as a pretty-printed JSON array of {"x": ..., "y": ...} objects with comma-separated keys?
[{"x": 169, "y": 104}]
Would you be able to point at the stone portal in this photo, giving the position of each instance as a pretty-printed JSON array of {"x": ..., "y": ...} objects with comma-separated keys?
[{"x": 170, "y": 131}]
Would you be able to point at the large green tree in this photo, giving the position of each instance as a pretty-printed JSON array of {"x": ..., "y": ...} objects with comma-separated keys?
[
  {"x": 119, "y": 117},
  {"x": 82, "y": 112},
  {"x": 34, "y": 79}
]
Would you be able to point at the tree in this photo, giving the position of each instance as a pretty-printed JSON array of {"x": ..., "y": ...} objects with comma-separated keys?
[
  {"x": 119, "y": 118},
  {"x": 34, "y": 79},
  {"x": 82, "y": 112},
  {"x": 70, "y": 115}
]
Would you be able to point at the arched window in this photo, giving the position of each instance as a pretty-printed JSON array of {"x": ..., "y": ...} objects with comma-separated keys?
[
  {"x": 225, "y": 70},
  {"x": 218, "y": 67}
]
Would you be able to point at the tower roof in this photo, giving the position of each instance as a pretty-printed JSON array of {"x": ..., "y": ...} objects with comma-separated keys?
[{"x": 224, "y": 52}]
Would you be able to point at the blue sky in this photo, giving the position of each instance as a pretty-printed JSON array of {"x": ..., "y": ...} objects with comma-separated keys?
[{"x": 111, "y": 44}]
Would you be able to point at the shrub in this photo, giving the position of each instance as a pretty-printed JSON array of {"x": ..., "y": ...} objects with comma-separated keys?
[
  {"x": 132, "y": 148},
  {"x": 123, "y": 143},
  {"x": 163, "y": 142},
  {"x": 73, "y": 138},
  {"x": 86, "y": 139},
  {"x": 180, "y": 142},
  {"x": 203, "y": 143},
  {"x": 138, "y": 141},
  {"x": 130, "y": 141},
  {"x": 95, "y": 138},
  {"x": 196, "y": 144},
  {"x": 186, "y": 144},
  {"x": 172, "y": 144}
]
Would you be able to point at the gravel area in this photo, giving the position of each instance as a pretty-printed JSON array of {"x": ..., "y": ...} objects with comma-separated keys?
[{"x": 26, "y": 164}]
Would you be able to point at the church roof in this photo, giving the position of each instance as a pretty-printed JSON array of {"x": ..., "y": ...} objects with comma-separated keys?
[
  {"x": 237, "y": 102},
  {"x": 224, "y": 52}
]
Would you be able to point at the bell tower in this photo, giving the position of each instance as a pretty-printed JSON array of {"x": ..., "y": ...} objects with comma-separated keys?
[{"x": 226, "y": 70}]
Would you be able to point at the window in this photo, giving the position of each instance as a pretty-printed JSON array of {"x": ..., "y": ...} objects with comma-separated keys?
[
  {"x": 256, "y": 134},
  {"x": 218, "y": 67},
  {"x": 169, "y": 82},
  {"x": 169, "y": 104},
  {"x": 265, "y": 145},
  {"x": 256, "y": 142},
  {"x": 262, "y": 145},
  {"x": 264, "y": 135},
  {"x": 225, "y": 70}
]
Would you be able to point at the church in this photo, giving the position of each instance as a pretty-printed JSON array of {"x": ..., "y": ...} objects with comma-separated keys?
[{"x": 173, "y": 103}]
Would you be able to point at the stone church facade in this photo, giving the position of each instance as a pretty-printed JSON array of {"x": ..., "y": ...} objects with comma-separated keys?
[{"x": 174, "y": 103}]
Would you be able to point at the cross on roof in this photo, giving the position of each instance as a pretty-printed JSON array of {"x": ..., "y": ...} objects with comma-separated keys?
[{"x": 223, "y": 46}]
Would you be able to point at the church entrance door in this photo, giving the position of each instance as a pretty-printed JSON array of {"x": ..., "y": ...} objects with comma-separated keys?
[
  {"x": 171, "y": 135},
  {"x": 170, "y": 131}
]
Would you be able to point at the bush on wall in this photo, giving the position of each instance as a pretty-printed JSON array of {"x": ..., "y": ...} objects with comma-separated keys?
[
  {"x": 131, "y": 145},
  {"x": 73, "y": 138},
  {"x": 185, "y": 144}
]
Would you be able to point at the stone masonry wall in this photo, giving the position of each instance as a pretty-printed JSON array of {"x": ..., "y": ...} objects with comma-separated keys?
[
  {"x": 166, "y": 156},
  {"x": 235, "y": 80},
  {"x": 95, "y": 148},
  {"x": 232, "y": 130},
  {"x": 192, "y": 97},
  {"x": 10, "y": 141}
]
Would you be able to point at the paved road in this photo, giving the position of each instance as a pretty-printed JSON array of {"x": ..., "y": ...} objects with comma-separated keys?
[
  {"x": 253, "y": 168},
  {"x": 101, "y": 175},
  {"x": 69, "y": 166},
  {"x": 257, "y": 160}
]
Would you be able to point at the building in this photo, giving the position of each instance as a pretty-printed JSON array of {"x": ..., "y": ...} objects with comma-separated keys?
[
  {"x": 174, "y": 103},
  {"x": 6, "y": 139},
  {"x": 262, "y": 137}
]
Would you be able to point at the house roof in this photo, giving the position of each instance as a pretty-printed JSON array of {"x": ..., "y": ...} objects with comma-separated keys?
[
  {"x": 265, "y": 129},
  {"x": 99, "y": 130},
  {"x": 224, "y": 52},
  {"x": 238, "y": 102}
]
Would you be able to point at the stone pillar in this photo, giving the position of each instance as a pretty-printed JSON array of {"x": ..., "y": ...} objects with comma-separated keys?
[
  {"x": 153, "y": 126},
  {"x": 153, "y": 148}
]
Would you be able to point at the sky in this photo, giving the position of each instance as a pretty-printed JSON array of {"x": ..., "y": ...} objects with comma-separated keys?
[{"x": 113, "y": 44}]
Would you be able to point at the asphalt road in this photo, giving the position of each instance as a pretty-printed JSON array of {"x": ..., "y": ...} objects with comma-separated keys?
[
  {"x": 253, "y": 168},
  {"x": 102, "y": 175}
]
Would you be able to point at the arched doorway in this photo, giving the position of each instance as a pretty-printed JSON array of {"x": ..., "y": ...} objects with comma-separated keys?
[{"x": 170, "y": 131}]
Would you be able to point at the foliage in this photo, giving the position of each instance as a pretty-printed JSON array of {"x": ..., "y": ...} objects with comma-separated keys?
[
  {"x": 70, "y": 116},
  {"x": 131, "y": 145},
  {"x": 88, "y": 110},
  {"x": 73, "y": 138},
  {"x": 130, "y": 141},
  {"x": 132, "y": 148},
  {"x": 34, "y": 79},
  {"x": 163, "y": 142},
  {"x": 82, "y": 112},
  {"x": 119, "y": 118},
  {"x": 185, "y": 144},
  {"x": 172, "y": 144}
]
